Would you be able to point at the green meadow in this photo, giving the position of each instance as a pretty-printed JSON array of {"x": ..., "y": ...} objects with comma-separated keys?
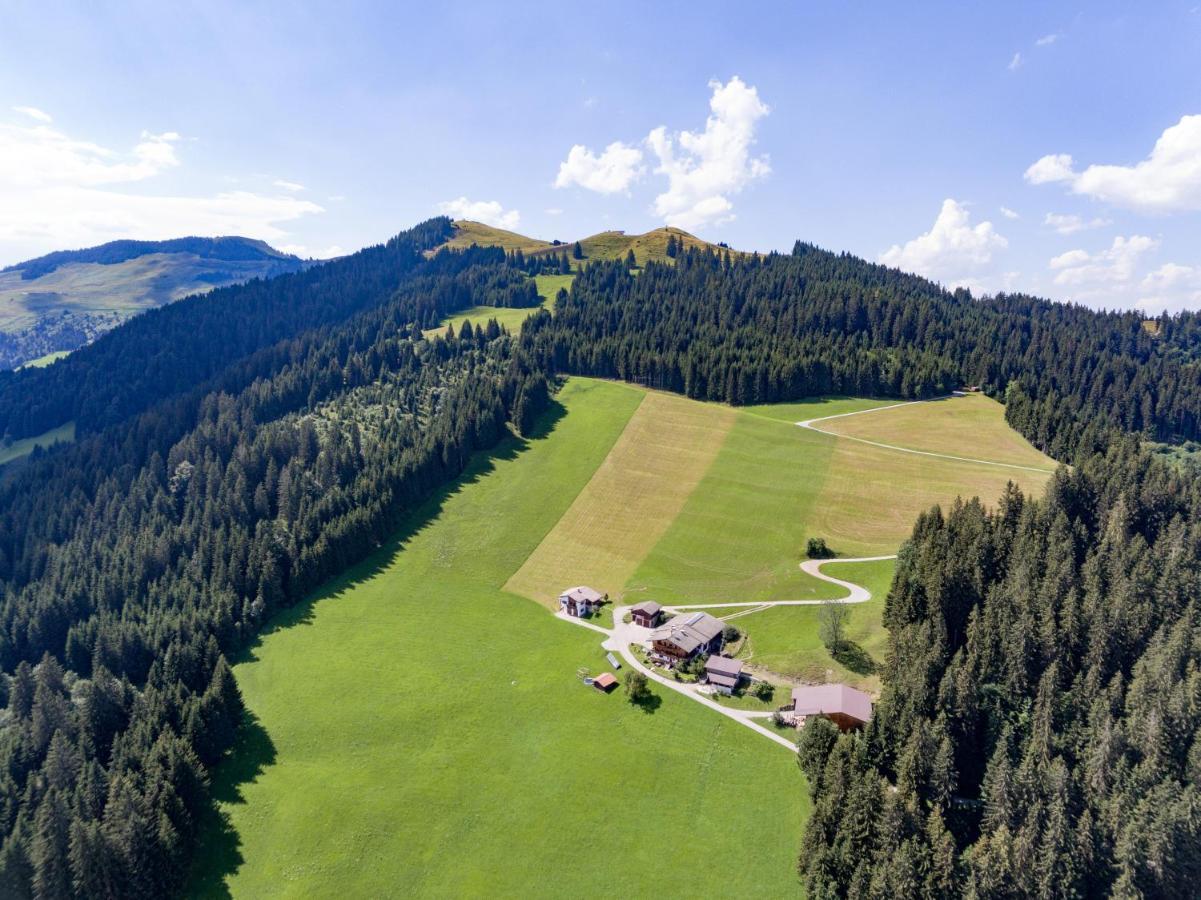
[
  {"x": 64, "y": 434},
  {"x": 418, "y": 731}
]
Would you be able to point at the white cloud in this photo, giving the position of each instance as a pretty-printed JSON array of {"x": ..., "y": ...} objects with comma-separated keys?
[
  {"x": 1168, "y": 180},
  {"x": 611, "y": 172},
  {"x": 714, "y": 163},
  {"x": 1009, "y": 213},
  {"x": 951, "y": 251},
  {"x": 1053, "y": 167},
  {"x": 34, "y": 113},
  {"x": 1046, "y": 40},
  {"x": 1016, "y": 62},
  {"x": 553, "y": 211},
  {"x": 57, "y": 191},
  {"x": 1108, "y": 269},
  {"x": 704, "y": 169},
  {"x": 304, "y": 252},
  {"x": 1070, "y": 224},
  {"x": 490, "y": 212},
  {"x": 1171, "y": 287},
  {"x": 290, "y": 186}
]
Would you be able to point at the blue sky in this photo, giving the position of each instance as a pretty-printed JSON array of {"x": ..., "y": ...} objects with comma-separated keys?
[{"x": 935, "y": 137}]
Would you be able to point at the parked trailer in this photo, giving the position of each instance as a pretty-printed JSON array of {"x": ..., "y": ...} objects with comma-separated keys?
[{"x": 613, "y": 660}]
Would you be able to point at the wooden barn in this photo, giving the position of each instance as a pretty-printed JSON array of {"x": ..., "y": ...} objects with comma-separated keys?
[{"x": 646, "y": 613}]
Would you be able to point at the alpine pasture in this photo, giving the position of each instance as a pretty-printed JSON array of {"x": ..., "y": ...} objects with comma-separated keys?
[{"x": 426, "y": 680}]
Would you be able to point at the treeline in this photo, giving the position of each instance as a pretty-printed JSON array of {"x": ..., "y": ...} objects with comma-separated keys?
[
  {"x": 135, "y": 562},
  {"x": 177, "y": 347},
  {"x": 763, "y": 329},
  {"x": 1039, "y": 733}
]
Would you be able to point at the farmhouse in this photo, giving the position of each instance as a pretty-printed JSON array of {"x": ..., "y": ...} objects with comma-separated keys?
[
  {"x": 723, "y": 673},
  {"x": 684, "y": 637},
  {"x": 843, "y": 705},
  {"x": 646, "y": 613},
  {"x": 579, "y": 601}
]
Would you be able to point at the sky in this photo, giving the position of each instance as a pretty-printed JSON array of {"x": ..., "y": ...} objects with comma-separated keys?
[{"x": 1049, "y": 148}]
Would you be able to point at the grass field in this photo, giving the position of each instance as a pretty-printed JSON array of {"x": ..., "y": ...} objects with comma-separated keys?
[
  {"x": 953, "y": 425},
  {"x": 63, "y": 434},
  {"x": 786, "y": 640},
  {"x": 634, "y": 497},
  {"x": 512, "y": 319},
  {"x": 42, "y": 361},
  {"x": 421, "y": 732}
]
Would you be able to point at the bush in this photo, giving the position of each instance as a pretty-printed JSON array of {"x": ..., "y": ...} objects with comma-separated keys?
[
  {"x": 816, "y": 548},
  {"x": 763, "y": 690},
  {"x": 730, "y": 634}
]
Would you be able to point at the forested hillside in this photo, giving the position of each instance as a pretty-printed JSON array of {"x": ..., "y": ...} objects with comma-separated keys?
[
  {"x": 763, "y": 329},
  {"x": 134, "y": 562}
]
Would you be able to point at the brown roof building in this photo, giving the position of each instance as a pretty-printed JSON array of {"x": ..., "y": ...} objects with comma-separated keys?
[
  {"x": 686, "y": 636},
  {"x": 841, "y": 704},
  {"x": 646, "y": 613},
  {"x": 723, "y": 673},
  {"x": 579, "y": 601}
]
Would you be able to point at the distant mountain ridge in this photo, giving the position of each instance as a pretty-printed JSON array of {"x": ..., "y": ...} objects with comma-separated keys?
[
  {"x": 63, "y": 300},
  {"x": 226, "y": 249}
]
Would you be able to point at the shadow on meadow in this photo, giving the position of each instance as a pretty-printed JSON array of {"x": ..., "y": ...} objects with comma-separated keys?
[{"x": 219, "y": 854}]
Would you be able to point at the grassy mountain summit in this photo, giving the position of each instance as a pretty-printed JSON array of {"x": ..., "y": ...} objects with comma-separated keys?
[
  {"x": 63, "y": 300},
  {"x": 604, "y": 245}
]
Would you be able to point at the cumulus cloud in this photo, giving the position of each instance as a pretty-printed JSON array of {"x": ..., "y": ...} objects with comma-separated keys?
[
  {"x": 1171, "y": 287},
  {"x": 1016, "y": 62},
  {"x": 490, "y": 212},
  {"x": 610, "y": 172},
  {"x": 1053, "y": 167},
  {"x": 59, "y": 191},
  {"x": 951, "y": 251},
  {"x": 290, "y": 186},
  {"x": 331, "y": 252},
  {"x": 1070, "y": 224},
  {"x": 1009, "y": 213},
  {"x": 1168, "y": 180},
  {"x": 704, "y": 169},
  {"x": 34, "y": 113}
]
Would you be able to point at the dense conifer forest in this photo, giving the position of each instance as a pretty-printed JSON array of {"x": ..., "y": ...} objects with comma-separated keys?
[
  {"x": 1038, "y": 728},
  {"x": 133, "y": 563}
]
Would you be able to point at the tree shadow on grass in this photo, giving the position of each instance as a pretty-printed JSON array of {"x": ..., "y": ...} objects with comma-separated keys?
[
  {"x": 218, "y": 854},
  {"x": 853, "y": 657},
  {"x": 649, "y": 703}
]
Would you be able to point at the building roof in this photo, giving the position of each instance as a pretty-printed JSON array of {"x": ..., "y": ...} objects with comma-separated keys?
[
  {"x": 831, "y": 698},
  {"x": 605, "y": 680},
  {"x": 648, "y": 607},
  {"x": 581, "y": 594},
  {"x": 728, "y": 681},
  {"x": 689, "y": 631},
  {"x": 722, "y": 665}
]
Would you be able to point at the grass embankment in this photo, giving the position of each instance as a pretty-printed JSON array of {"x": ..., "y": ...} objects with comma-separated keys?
[
  {"x": 422, "y": 732},
  {"x": 64, "y": 434},
  {"x": 42, "y": 361}
]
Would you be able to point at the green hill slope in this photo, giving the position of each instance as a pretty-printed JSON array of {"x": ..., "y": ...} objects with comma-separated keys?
[
  {"x": 63, "y": 300},
  {"x": 605, "y": 245}
]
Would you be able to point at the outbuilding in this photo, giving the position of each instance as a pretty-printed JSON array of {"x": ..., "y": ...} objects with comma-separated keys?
[
  {"x": 723, "y": 673},
  {"x": 646, "y": 613},
  {"x": 605, "y": 681}
]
